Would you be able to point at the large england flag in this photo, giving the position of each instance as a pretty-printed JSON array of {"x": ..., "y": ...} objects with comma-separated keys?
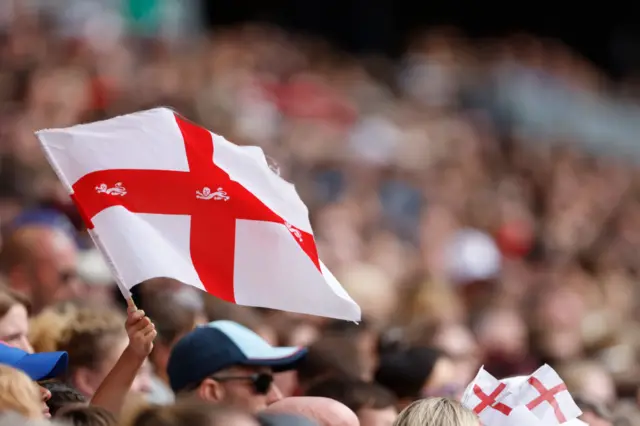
[{"x": 163, "y": 197}]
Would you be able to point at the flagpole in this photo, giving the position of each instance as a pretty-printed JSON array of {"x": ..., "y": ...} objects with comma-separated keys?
[{"x": 126, "y": 293}]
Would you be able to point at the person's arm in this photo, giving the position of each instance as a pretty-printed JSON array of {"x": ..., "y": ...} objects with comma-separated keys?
[{"x": 114, "y": 388}]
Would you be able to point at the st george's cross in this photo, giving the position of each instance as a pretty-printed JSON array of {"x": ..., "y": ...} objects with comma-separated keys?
[
  {"x": 540, "y": 399},
  {"x": 488, "y": 398},
  {"x": 546, "y": 395},
  {"x": 164, "y": 197}
]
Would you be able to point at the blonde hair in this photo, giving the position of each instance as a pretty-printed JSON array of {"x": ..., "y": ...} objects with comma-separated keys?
[
  {"x": 13, "y": 419},
  {"x": 436, "y": 412},
  {"x": 19, "y": 394},
  {"x": 89, "y": 335},
  {"x": 46, "y": 328}
]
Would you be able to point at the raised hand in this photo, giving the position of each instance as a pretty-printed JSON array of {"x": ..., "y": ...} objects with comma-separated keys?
[{"x": 141, "y": 331}]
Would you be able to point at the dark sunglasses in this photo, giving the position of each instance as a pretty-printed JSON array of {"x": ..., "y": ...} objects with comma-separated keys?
[{"x": 261, "y": 382}]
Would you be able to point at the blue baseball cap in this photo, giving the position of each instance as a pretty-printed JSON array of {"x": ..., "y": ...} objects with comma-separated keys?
[
  {"x": 222, "y": 344},
  {"x": 39, "y": 366}
]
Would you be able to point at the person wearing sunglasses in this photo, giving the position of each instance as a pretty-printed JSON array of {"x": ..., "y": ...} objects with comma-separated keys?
[{"x": 225, "y": 362}]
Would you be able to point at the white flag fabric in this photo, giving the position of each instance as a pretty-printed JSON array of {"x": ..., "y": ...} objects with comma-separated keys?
[
  {"x": 540, "y": 399},
  {"x": 489, "y": 398},
  {"x": 163, "y": 197}
]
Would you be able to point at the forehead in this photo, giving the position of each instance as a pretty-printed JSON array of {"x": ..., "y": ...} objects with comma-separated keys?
[
  {"x": 61, "y": 242},
  {"x": 16, "y": 317}
]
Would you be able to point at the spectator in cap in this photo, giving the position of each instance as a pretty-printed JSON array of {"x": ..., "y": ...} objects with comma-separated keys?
[
  {"x": 373, "y": 404},
  {"x": 226, "y": 362},
  {"x": 417, "y": 372},
  {"x": 39, "y": 366},
  {"x": 14, "y": 319},
  {"x": 21, "y": 394},
  {"x": 41, "y": 263},
  {"x": 324, "y": 411}
]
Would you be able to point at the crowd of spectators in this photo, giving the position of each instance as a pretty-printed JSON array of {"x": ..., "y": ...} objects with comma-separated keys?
[{"x": 479, "y": 199}]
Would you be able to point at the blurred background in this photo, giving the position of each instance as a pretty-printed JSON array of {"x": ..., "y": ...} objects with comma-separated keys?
[{"x": 471, "y": 169}]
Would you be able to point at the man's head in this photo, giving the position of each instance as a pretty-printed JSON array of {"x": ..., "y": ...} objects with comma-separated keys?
[
  {"x": 62, "y": 395},
  {"x": 36, "y": 367},
  {"x": 331, "y": 356},
  {"x": 174, "y": 313},
  {"x": 417, "y": 372},
  {"x": 324, "y": 411},
  {"x": 41, "y": 262},
  {"x": 373, "y": 404},
  {"x": 226, "y": 362}
]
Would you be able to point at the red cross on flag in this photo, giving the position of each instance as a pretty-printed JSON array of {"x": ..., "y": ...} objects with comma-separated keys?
[
  {"x": 163, "y": 197},
  {"x": 545, "y": 395},
  {"x": 541, "y": 399},
  {"x": 489, "y": 398}
]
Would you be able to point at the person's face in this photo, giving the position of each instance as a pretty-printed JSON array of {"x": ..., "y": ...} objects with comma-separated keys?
[
  {"x": 54, "y": 276},
  {"x": 87, "y": 380},
  {"x": 45, "y": 396},
  {"x": 377, "y": 417},
  {"x": 14, "y": 328},
  {"x": 236, "y": 386}
]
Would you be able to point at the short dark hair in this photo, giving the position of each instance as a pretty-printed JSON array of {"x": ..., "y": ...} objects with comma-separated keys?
[
  {"x": 89, "y": 415},
  {"x": 329, "y": 357},
  {"x": 404, "y": 371},
  {"x": 354, "y": 393},
  {"x": 171, "y": 317},
  {"x": 62, "y": 395}
]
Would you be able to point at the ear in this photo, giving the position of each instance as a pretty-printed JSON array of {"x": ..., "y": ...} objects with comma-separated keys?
[
  {"x": 210, "y": 390},
  {"x": 83, "y": 379}
]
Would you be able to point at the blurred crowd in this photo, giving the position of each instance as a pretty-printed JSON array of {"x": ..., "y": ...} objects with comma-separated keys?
[{"x": 478, "y": 199}]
